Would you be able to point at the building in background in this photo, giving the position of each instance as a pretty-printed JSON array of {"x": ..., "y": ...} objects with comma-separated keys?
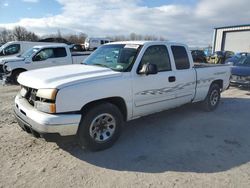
[{"x": 232, "y": 38}]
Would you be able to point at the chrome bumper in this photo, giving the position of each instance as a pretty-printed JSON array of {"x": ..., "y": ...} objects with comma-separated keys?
[
  {"x": 27, "y": 115},
  {"x": 240, "y": 82}
]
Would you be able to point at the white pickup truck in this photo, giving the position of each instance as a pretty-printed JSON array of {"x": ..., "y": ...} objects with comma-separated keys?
[
  {"x": 40, "y": 57},
  {"x": 118, "y": 82}
]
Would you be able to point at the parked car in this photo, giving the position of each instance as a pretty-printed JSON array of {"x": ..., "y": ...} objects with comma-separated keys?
[
  {"x": 236, "y": 58},
  {"x": 219, "y": 57},
  {"x": 13, "y": 49},
  {"x": 40, "y": 57},
  {"x": 77, "y": 48},
  {"x": 118, "y": 82},
  {"x": 199, "y": 56},
  {"x": 241, "y": 72},
  {"x": 94, "y": 43}
]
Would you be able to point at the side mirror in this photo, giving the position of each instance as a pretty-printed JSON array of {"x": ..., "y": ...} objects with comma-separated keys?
[{"x": 149, "y": 69}]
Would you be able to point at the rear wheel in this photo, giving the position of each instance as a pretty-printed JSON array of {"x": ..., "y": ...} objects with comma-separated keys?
[
  {"x": 213, "y": 98},
  {"x": 100, "y": 127}
]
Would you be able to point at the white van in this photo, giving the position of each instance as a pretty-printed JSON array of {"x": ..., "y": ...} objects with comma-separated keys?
[
  {"x": 93, "y": 43},
  {"x": 15, "y": 48}
]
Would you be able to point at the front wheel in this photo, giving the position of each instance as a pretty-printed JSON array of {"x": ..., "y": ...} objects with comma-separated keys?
[
  {"x": 213, "y": 98},
  {"x": 100, "y": 127},
  {"x": 15, "y": 75}
]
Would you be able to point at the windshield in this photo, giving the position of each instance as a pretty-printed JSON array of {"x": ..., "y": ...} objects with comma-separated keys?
[
  {"x": 118, "y": 57},
  {"x": 244, "y": 61},
  {"x": 29, "y": 52}
]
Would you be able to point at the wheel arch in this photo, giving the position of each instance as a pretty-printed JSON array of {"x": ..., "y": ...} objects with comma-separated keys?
[
  {"x": 118, "y": 101},
  {"x": 18, "y": 69},
  {"x": 219, "y": 82}
]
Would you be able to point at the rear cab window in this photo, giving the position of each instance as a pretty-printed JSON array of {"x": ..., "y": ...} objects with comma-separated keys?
[
  {"x": 180, "y": 57},
  {"x": 60, "y": 52}
]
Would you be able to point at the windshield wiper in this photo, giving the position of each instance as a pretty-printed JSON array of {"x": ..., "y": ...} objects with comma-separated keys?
[{"x": 101, "y": 65}]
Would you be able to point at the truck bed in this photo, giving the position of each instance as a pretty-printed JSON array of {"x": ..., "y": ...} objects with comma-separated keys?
[
  {"x": 81, "y": 53},
  {"x": 205, "y": 65}
]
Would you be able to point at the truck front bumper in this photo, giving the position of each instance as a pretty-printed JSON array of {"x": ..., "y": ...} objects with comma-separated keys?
[{"x": 41, "y": 123}]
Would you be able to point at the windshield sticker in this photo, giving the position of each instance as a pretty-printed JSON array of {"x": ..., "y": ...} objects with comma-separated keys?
[{"x": 134, "y": 46}]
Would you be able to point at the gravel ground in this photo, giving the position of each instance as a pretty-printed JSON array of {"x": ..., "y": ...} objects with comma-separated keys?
[{"x": 184, "y": 147}]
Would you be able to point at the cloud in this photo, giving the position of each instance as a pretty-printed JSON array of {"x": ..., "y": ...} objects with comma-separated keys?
[
  {"x": 192, "y": 24},
  {"x": 6, "y": 4}
]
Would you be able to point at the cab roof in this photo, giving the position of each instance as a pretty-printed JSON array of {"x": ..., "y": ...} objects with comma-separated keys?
[{"x": 146, "y": 42}]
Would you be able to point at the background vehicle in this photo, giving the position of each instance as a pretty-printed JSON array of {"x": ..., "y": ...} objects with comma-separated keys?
[
  {"x": 15, "y": 48},
  {"x": 40, "y": 57},
  {"x": 219, "y": 57},
  {"x": 11, "y": 50},
  {"x": 118, "y": 82},
  {"x": 199, "y": 56},
  {"x": 94, "y": 43},
  {"x": 77, "y": 48},
  {"x": 241, "y": 71},
  {"x": 236, "y": 58}
]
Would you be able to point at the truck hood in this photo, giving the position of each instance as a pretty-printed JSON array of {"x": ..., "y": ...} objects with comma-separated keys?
[
  {"x": 240, "y": 70},
  {"x": 10, "y": 59},
  {"x": 62, "y": 76}
]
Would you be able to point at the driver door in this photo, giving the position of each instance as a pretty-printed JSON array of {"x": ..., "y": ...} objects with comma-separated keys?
[{"x": 155, "y": 92}]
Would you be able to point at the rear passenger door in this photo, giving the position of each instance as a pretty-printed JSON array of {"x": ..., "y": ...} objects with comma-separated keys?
[
  {"x": 152, "y": 93},
  {"x": 61, "y": 57},
  {"x": 184, "y": 73}
]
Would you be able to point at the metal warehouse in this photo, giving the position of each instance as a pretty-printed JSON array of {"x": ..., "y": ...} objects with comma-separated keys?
[{"x": 232, "y": 38}]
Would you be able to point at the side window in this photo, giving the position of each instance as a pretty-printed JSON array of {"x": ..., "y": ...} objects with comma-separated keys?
[
  {"x": 12, "y": 49},
  {"x": 180, "y": 57},
  {"x": 60, "y": 52},
  {"x": 44, "y": 54},
  {"x": 157, "y": 54},
  {"x": 102, "y": 41}
]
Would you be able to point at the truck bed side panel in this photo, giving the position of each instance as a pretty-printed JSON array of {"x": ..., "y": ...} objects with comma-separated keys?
[{"x": 206, "y": 75}]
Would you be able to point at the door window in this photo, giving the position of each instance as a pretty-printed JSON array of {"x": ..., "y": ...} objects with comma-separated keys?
[
  {"x": 44, "y": 54},
  {"x": 158, "y": 55},
  {"x": 60, "y": 52}
]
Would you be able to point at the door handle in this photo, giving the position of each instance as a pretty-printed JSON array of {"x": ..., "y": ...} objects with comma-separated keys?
[{"x": 171, "y": 78}]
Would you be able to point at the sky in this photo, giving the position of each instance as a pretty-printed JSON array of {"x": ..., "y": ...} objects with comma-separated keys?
[{"x": 186, "y": 21}]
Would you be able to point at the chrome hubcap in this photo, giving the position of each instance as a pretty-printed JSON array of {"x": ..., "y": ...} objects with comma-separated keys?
[
  {"x": 102, "y": 127},
  {"x": 214, "y": 98}
]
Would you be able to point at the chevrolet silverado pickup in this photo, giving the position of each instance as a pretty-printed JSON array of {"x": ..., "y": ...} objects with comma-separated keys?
[
  {"x": 40, "y": 57},
  {"x": 118, "y": 82}
]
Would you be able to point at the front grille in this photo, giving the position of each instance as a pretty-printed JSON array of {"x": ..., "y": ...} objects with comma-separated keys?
[{"x": 31, "y": 95}]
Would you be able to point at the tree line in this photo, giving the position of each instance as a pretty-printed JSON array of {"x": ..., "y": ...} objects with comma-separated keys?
[{"x": 22, "y": 34}]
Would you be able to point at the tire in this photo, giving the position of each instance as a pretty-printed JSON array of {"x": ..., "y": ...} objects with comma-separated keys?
[
  {"x": 100, "y": 127},
  {"x": 213, "y": 98},
  {"x": 15, "y": 75}
]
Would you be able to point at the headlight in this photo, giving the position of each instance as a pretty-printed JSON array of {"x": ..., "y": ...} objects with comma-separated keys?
[
  {"x": 47, "y": 100},
  {"x": 47, "y": 93}
]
